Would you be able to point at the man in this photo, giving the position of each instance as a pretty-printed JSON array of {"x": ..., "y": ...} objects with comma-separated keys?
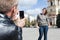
[
  {"x": 8, "y": 12},
  {"x": 42, "y": 21}
]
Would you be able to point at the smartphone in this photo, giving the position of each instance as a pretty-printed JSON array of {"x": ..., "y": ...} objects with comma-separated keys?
[{"x": 21, "y": 14}]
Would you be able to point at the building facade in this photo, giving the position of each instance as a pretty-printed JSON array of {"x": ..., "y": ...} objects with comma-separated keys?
[{"x": 53, "y": 9}]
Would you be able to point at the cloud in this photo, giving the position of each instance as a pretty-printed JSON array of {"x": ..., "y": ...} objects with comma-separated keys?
[
  {"x": 34, "y": 11},
  {"x": 32, "y": 18},
  {"x": 25, "y": 4},
  {"x": 26, "y": 15}
]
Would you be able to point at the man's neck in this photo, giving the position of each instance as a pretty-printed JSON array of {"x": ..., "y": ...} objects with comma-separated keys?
[{"x": 8, "y": 14}]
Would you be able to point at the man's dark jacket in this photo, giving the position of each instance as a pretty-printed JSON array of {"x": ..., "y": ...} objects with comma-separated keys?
[{"x": 8, "y": 29}]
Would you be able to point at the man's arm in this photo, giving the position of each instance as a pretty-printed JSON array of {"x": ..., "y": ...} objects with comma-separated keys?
[{"x": 20, "y": 22}]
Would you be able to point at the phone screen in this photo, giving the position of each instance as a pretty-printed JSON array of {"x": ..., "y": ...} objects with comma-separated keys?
[{"x": 21, "y": 14}]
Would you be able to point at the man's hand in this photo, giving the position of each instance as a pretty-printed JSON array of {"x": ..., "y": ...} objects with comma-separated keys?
[
  {"x": 16, "y": 18},
  {"x": 20, "y": 22}
]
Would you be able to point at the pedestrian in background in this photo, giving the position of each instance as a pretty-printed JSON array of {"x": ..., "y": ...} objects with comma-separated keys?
[{"x": 42, "y": 20}]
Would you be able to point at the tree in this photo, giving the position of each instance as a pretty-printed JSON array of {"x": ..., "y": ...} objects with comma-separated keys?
[
  {"x": 33, "y": 23},
  {"x": 27, "y": 23}
]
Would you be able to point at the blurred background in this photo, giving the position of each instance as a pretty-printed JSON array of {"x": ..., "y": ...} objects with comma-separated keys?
[{"x": 32, "y": 8}]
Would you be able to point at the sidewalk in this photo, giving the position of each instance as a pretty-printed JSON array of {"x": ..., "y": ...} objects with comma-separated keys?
[{"x": 33, "y": 34}]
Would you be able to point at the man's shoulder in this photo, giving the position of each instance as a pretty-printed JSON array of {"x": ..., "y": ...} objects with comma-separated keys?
[{"x": 5, "y": 22}]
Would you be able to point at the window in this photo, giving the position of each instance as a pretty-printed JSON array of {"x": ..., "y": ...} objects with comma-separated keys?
[
  {"x": 52, "y": 3},
  {"x": 59, "y": 11},
  {"x": 51, "y": 10},
  {"x": 58, "y": 2}
]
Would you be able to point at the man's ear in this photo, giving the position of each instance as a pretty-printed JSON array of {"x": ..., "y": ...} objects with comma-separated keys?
[{"x": 13, "y": 9}]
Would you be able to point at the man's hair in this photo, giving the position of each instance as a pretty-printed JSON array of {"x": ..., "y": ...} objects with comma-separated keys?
[{"x": 6, "y": 5}]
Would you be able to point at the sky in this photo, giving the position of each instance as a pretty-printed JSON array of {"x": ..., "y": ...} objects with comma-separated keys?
[{"x": 32, "y": 7}]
